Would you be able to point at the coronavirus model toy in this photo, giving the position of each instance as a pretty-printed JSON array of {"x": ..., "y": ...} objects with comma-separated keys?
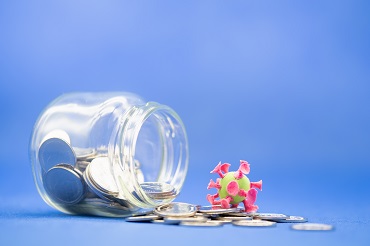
[{"x": 234, "y": 187}]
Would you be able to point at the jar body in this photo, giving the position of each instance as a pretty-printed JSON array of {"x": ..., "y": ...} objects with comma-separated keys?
[{"x": 108, "y": 154}]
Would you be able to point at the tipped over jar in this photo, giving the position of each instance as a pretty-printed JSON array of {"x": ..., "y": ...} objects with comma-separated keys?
[{"x": 108, "y": 154}]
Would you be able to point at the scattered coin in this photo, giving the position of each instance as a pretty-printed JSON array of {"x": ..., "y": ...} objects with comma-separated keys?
[
  {"x": 202, "y": 223},
  {"x": 234, "y": 218},
  {"x": 270, "y": 216},
  {"x": 143, "y": 212},
  {"x": 312, "y": 227},
  {"x": 222, "y": 220},
  {"x": 144, "y": 218},
  {"x": 64, "y": 184},
  {"x": 240, "y": 214},
  {"x": 178, "y": 220},
  {"x": 291, "y": 219},
  {"x": 254, "y": 223},
  {"x": 158, "y": 221},
  {"x": 176, "y": 209},
  {"x": 214, "y": 209}
]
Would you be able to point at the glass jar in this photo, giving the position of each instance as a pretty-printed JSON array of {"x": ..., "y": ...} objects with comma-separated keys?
[{"x": 108, "y": 154}]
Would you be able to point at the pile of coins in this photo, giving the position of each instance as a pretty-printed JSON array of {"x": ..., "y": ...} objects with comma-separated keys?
[
  {"x": 81, "y": 181},
  {"x": 184, "y": 214}
]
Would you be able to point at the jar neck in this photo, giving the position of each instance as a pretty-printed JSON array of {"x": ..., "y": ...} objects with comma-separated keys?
[{"x": 154, "y": 136}]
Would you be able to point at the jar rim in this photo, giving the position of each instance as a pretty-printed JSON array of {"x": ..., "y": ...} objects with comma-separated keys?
[{"x": 174, "y": 163}]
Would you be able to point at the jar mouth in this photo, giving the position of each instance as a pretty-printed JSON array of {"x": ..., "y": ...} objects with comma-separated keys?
[{"x": 151, "y": 150}]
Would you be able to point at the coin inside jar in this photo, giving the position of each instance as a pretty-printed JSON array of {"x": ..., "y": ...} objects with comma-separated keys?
[
  {"x": 64, "y": 184},
  {"x": 54, "y": 151},
  {"x": 99, "y": 178},
  {"x": 158, "y": 190}
]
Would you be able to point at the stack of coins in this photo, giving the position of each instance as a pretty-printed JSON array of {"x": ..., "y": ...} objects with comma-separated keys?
[
  {"x": 81, "y": 181},
  {"x": 184, "y": 214}
]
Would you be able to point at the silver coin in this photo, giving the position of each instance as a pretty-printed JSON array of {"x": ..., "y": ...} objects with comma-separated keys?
[
  {"x": 208, "y": 223},
  {"x": 58, "y": 133},
  {"x": 82, "y": 165},
  {"x": 176, "y": 209},
  {"x": 240, "y": 214},
  {"x": 158, "y": 221},
  {"x": 177, "y": 220},
  {"x": 223, "y": 220},
  {"x": 312, "y": 227},
  {"x": 216, "y": 209},
  {"x": 269, "y": 216},
  {"x": 85, "y": 154},
  {"x": 234, "y": 218},
  {"x": 99, "y": 178},
  {"x": 54, "y": 151},
  {"x": 144, "y": 218},
  {"x": 143, "y": 212},
  {"x": 64, "y": 184},
  {"x": 291, "y": 219},
  {"x": 159, "y": 190},
  {"x": 254, "y": 223}
]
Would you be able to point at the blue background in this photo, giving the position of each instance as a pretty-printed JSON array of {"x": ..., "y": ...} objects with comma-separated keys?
[{"x": 282, "y": 84}]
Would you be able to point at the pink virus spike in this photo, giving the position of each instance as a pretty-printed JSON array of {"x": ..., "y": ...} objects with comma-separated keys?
[
  {"x": 218, "y": 170},
  {"x": 243, "y": 169},
  {"x": 225, "y": 203},
  {"x": 225, "y": 167},
  {"x": 249, "y": 206},
  {"x": 257, "y": 185},
  {"x": 242, "y": 193},
  {"x": 211, "y": 199},
  {"x": 234, "y": 187},
  {"x": 213, "y": 184}
]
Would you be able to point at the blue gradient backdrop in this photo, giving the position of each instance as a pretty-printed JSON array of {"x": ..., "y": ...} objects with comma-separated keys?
[{"x": 282, "y": 84}]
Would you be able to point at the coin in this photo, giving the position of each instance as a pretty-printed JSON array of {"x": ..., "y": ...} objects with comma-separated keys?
[
  {"x": 85, "y": 154},
  {"x": 208, "y": 223},
  {"x": 58, "y": 133},
  {"x": 270, "y": 216},
  {"x": 312, "y": 227},
  {"x": 222, "y": 220},
  {"x": 177, "y": 220},
  {"x": 233, "y": 218},
  {"x": 64, "y": 184},
  {"x": 159, "y": 190},
  {"x": 99, "y": 178},
  {"x": 216, "y": 209},
  {"x": 240, "y": 214},
  {"x": 144, "y": 218},
  {"x": 158, "y": 221},
  {"x": 291, "y": 219},
  {"x": 176, "y": 209},
  {"x": 254, "y": 223},
  {"x": 143, "y": 212},
  {"x": 81, "y": 165},
  {"x": 54, "y": 151}
]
